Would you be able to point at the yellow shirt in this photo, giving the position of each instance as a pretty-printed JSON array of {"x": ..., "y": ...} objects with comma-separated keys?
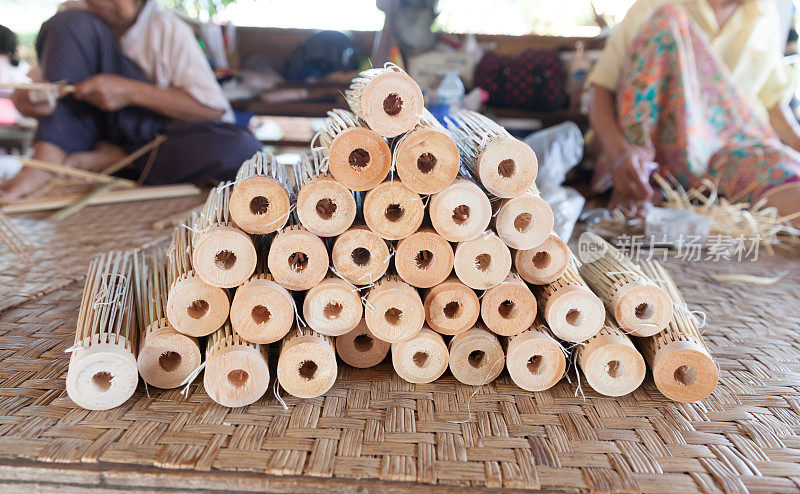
[{"x": 748, "y": 42}]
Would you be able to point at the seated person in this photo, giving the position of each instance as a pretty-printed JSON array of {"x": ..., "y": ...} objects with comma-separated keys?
[
  {"x": 138, "y": 72},
  {"x": 699, "y": 88}
]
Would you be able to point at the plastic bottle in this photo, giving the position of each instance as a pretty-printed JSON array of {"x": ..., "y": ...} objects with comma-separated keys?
[
  {"x": 450, "y": 92},
  {"x": 578, "y": 71}
]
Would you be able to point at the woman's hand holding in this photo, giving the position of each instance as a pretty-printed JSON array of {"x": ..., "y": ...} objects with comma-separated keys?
[
  {"x": 632, "y": 189},
  {"x": 107, "y": 92},
  {"x": 35, "y": 103}
]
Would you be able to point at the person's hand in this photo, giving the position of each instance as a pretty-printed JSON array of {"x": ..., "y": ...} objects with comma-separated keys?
[
  {"x": 34, "y": 103},
  {"x": 106, "y": 91},
  {"x": 631, "y": 177},
  {"x": 23, "y": 183}
]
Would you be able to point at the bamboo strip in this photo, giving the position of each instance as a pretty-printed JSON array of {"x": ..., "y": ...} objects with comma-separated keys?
[
  {"x": 392, "y": 210},
  {"x": 236, "y": 371},
  {"x": 150, "y": 146},
  {"x": 421, "y": 359},
  {"x": 536, "y": 361},
  {"x": 325, "y": 206},
  {"x": 307, "y": 363},
  {"x": 508, "y": 308},
  {"x": 333, "y": 307},
  {"x": 525, "y": 221},
  {"x": 360, "y": 348},
  {"x": 460, "y": 212},
  {"x": 424, "y": 259},
  {"x": 38, "y": 86},
  {"x": 88, "y": 175},
  {"x": 297, "y": 258},
  {"x": 610, "y": 362},
  {"x": 360, "y": 256},
  {"x": 451, "y": 307},
  {"x": 13, "y": 238},
  {"x": 544, "y": 263},
  {"x": 572, "y": 311},
  {"x": 476, "y": 357},
  {"x": 259, "y": 202},
  {"x": 393, "y": 310},
  {"x": 483, "y": 262}
]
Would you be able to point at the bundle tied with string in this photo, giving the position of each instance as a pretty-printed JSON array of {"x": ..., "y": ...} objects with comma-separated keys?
[
  {"x": 525, "y": 221},
  {"x": 360, "y": 348},
  {"x": 536, "y": 361},
  {"x": 451, "y": 307},
  {"x": 461, "y": 211},
  {"x": 510, "y": 307},
  {"x": 682, "y": 366},
  {"x": 324, "y": 206},
  {"x": 422, "y": 358},
  {"x": 544, "y": 263},
  {"x": 609, "y": 360},
  {"x": 360, "y": 256},
  {"x": 307, "y": 363},
  {"x": 641, "y": 307},
  {"x": 424, "y": 259},
  {"x": 297, "y": 258},
  {"x": 333, "y": 307},
  {"x": 483, "y": 262},
  {"x": 236, "y": 370},
  {"x": 505, "y": 166},
  {"x": 358, "y": 157},
  {"x": 223, "y": 255},
  {"x": 476, "y": 356},
  {"x": 103, "y": 372},
  {"x": 194, "y": 307},
  {"x": 387, "y": 99},
  {"x": 166, "y": 357},
  {"x": 259, "y": 202},
  {"x": 393, "y": 310},
  {"x": 392, "y": 210}
]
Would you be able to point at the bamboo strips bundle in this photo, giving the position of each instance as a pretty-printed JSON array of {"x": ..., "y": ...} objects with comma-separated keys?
[
  {"x": 12, "y": 237},
  {"x": 451, "y": 307},
  {"x": 544, "y": 263},
  {"x": 324, "y": 206},
  {"x": 505, "y": 166},
  {"x": 392, "y": 210},
  {"x": 535, "y": 359},
  {"x": 572, "y": 311},
  {"x": 483, "y": 262},
  {"x": 360, "y": 348},
  {"x": 508, "y": 308},
  {"x": 236, "y": 371},
  {"x": 421, "y": 359},
  {"x": 426, "y": 158},
  {"x": 525, "y": 221},
  {"x": 476, "y": 357},
  {"x": 259, "y": 203},
  {"x": 307, "y": 363},
  {"x": 360, "y": 256},
  {"x": 682, "y": 366},
  {"x": 222, "y": 255},
  {"x": 393, "y": 310},
  {"x": 358, "y": 157},
  {"x": 387, "y": 99},
  {"x": 640, "y": 306},
  {"x": 194, "y": 307},
  {"x": 102, "y": 367},
  {"x": 333, "y": 307},
  {"x": 297, "y": 258},
  {"x": 424, "y": 259},
  {"x": 610, "y": 362},
  {"x": 460, "y": 212}
]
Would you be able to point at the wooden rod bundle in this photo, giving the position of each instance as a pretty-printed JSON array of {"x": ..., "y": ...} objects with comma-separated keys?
[
  {"x": 102, "y": 367},
  {"x": 325, "y": 206},
  {"x": 358, "y": 157},
  {"x": 451, "y": 307},
  {"x": 426, "y": 158},
  {"x": 460, "y": 212},
  {"x": 360, "y": 348},
  {"x": 166, "y": 357},
  {"x": 360, "y": 256},
  {"x": 524, "y": 222},
  {"x": 682, "y": 366},
  {"x": 544, "y": 263},
  {"x": 297, "y": 258},
  {"x": 393, "y": 310},
  {"x": 572, "y": 311},
  {"x": 510, "y": 307},
  {"x": 641, "y": 307},
  {"x": 421, "y": 359},
  {"x": 535, "y": 359},
  {"x": 387, "y": 99},
  {"x": 262, "y": 310},
  {"x": 483, "y": 262},
  {"x": 260, "y": 198},
  {"x": 505, "y": 166},
  {"x": 237, "y": 371},
  {"x": 392, "y": 210},
  {"x": 424, "y": 259},
  {"x": 307, "y": 363},
  {"x": 194, "y": 307},
  {"x": 222, "y": 255},
  {"x": 333, "y": 307},
  {"x": 610, "y": 362},
  {"x": 476, "y": 357}
]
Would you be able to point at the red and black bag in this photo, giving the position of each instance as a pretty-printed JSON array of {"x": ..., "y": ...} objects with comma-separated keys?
[{"x": 534, "y": 80}]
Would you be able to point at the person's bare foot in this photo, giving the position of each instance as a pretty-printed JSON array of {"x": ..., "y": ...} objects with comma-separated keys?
[
  {"x": 28, "y": 180},
  {"x": 97, "y": 160}
]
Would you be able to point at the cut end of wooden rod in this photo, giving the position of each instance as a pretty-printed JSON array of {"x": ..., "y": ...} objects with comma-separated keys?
[
  {"x": 544, "y": 263},
  {"x": 460, "y": 212},
  {"x": 102, "y": 376},
  {"x": 262, "y": 311},
  {"x": 196, "y": 308},
  {"x": 574, "y": 313},
  {"x": 507, "y": 167},
  {"x": 683, "y": 371},
  {"x": 224, "y": 256},
  {"x": 642, "y": 309},
  {"x": 508, "y": 308},
  {"x": 393, "y": 211},
  {"x": 236, "y": 375},
  {"x": 422, "y": 359},
  {"x": 535, "y": 361},
  {"x": 307, "y": 366},
  {"x": 424, "y": 259},
  {"x": 394, "y": 310},
  {"x": 427, "y": 160},
  {"x": 297, "y": 259},
  {"x": 524, "y": 222},
  {"x": 359, "y": 158},
  {"x": 476, "y": 357},
  {"x": 612, "y": 366},
  {"x": 483, "y": 262},
  {"x": 325, "y": 207},
  {"x": 451, "y": 307},
  {"x": 360, "y": 348},
  {"x": 333, "y": 307},
  {"x": 392, "y": 103},
  {"x": 167, "y": 357},
  {"x": 360, "y": 256},
  {"x": 259, "y": 205}
]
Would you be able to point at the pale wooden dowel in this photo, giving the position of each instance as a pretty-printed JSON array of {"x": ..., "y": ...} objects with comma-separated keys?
[
  {"x": 262, "y": 311},
  {"x": 460, "y": 212},
  {"x": 482, "y": 262},
  {"x": 609, "y": 361},
  {"x": 360, "y": 256},
  {"x": 360, "y": 348},
  {"x": 451, "y": 307},
  {"x": 307, "y": 363},
  {"x": 525, "y": 221},
  {"x": 476, "y": 357},
  {"x": 333, "y": 307},
  {"x": 508, "y": 308},
  {"x": 260, "y": 198},
  {"x": 535, "y": 359},
  {"x": 392, "y": 210},
  {"x": 324, "y": 206},
  {"x": 572, "y": 311},
  {"x": 544, "y": 263},
  {"x": 297, "y": 259},
  {"x": 421, "y": 359},
  {"x": 393, "y": 310},
  {"x": 424, "y": 258},
  {"x": 237, "y": 371}
]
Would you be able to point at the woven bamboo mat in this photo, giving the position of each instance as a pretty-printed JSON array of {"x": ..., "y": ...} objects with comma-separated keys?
[{"x": 374, "y": 426}]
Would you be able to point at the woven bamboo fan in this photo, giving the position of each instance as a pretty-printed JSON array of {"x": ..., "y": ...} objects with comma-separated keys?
[
  {"x": 194, "y": 307},
  {"x": 682, "y": 366},
  {"x": 360, "y": 256},
  {"x": 223, "y": 255},
  {"x": 360, "y": 348},
  {"x": 102, "y": 368},
  {"x": 451, "y": 307},
  {"x": 393, "y": 310},
  {"x": 640, "y": 306},
  {"x": 424, "y": 258},
  {"x": 426, "y": 159},
  {"x": 237, "y": 371},
  {"x": 483, "y": 262},
  {"x": 421, "y": 359},
  {"x": 544, "y": 263},
  {"x": 333, "y": 307},
  {"x": 505, "y": 166},
  {"x": 325, "y": 206},
  {"x": 166, "y": 357},
  {"x": 297, "y": 258},
  {"x": 260, "y": 198},
  {"x": 387, "y": 99},
  {"x": 460, "y": 212},
  {"x": 535, "y": 359},
  {"x": 307, "y": 363},
  {"x": 358, "y": 157},
  {"x": 524, "y": 222},
  {"x": 476, "y": 357},
  {"x": 572, "y": 311},
  {"x": 508, "y": 308},
  {"x": 610, "y": 362},
  {"x": 392, "y": 210}
]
